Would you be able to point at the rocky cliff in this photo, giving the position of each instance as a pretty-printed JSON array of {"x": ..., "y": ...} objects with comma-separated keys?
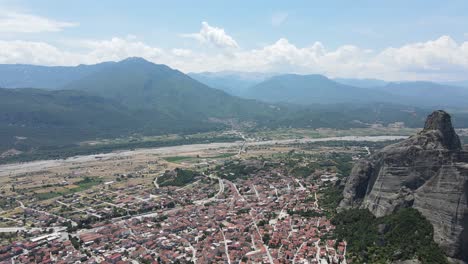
[{"x": 429, "y": 172}]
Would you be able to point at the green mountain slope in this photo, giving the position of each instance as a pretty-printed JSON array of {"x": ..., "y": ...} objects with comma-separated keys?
[
  {"x": 313, "y": 89},
  {"x": 132, "y": 96},
  {"x": 44, "y": 77},
  {"x": 144, "y": 86},
  {"x": 30, "y": 117},
  {"x": 135, "y": 96},
  {"x": 34, "y": 118},
  {"x": 428, "y": 93}
]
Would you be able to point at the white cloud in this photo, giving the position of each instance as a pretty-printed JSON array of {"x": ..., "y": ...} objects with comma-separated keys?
[
  {"x": 41, "y": 53},
  {"x": 181, "y": 52},
  {"x": 277, "y": 19},
  {"x": 439, "y": 59},
  {"x": 117, "y": 49},
  {"x": 26, "y": 23},
  {"x": 443, "y": 56},
  {"x": 213, "y": 35},
  {"x": 94, "y": 52}
]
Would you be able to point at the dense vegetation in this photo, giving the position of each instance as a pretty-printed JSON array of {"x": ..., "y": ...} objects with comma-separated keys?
[
  {"x": 304, "y": 171},
  {"x": 31, "y": 118},
  {"x": 355, "y": 115},
  {"x": 300, "y": 164},
  {"x": 403, "y": 235},
  {"x": 144, "y": 86},
  {"x": 330, "y": 197},
  {"x": 178, "y": 177},
  {"x": 313, "y": 89},
  {"x": 121, "y": 99},
  {"x": 232, "y": 170}
]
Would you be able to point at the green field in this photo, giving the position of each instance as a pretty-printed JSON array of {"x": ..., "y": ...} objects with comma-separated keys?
[
  {"x": 84, "y": 184},
  {"x": 178, "y": 159}
]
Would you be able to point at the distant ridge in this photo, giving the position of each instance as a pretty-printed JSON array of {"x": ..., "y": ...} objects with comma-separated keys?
[
  {"x": 363, "y": 83},
  {"x": 138, "y": 97},
  {"x": 430, "y": 94},
  {"x": 232, "y": 82},
  {"x": 45, "y": 77},
  {"x": 313, "y": 89},
  {"x": 301, "y": 89},
  {"x": 144, "y": 86}
]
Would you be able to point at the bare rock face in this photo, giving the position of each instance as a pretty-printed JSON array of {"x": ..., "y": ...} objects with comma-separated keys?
[
  {"x": 439, "y": 123},
  {"x": 429, "y": 172}
]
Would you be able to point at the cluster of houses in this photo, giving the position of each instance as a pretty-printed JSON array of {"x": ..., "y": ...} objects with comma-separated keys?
[{"x": 269, "y": 217}]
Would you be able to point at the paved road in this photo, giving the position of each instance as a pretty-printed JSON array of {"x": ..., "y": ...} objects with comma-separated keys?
[
  {"x": 297, "y": 252},
  {"x": 221, "y": 190},
  {"x": 226, "y": 247},
  {"x": 18, "y": 228},
  {"x": 14, "y": 229},
  {"x": 194, "y": 253},
  {"x": 155, "y": 182},
  {"x": 47, "y": 213},
  {"x": 78, "y": 209}
]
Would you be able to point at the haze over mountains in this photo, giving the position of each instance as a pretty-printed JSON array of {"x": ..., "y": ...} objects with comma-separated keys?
[
  {"x": 115, "y": 99},
  {"x": 47, "y": 77},
  {"x": 318, "y": 89},
  {"x": 313, "y": 89},
  {"x": 144, "y": 86},
  {"x": 269, "y": 87},
  {"x": 131, "y": 96},
  {"x": 235, "y": 83}
]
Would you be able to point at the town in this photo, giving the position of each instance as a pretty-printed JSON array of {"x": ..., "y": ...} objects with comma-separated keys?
[{"x": 260, "y": 204}]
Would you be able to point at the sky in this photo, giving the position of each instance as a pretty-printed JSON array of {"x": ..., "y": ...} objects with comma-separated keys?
[{"x": 390, "y": 40}]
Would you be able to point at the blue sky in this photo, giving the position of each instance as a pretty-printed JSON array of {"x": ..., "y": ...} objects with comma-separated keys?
[{"x": 362, "y": 39}]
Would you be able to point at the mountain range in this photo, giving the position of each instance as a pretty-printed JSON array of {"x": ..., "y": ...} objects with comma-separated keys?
[
  {"x": 117, "y": 99},
  {"x": 363, "y": 83},
  {"x": 314, "y": 89},
  {"x": 42, "y": 106},
  {"x": 428, "y": 94},
  {"x": 46, "y": 77},
  {"x": 269, "y": 87},
  {"x": 235, "y": 83},
  {"x": 318, "y": 89},
  {"x": 33, "y": 117},
  {"x": 147, "y": 87}
]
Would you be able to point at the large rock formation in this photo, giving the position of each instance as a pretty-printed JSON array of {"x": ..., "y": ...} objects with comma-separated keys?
[{"x": 429, "y": 172}]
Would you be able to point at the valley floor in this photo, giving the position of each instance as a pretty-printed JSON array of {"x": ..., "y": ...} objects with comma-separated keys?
[{"x": 254, "y": 201}]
